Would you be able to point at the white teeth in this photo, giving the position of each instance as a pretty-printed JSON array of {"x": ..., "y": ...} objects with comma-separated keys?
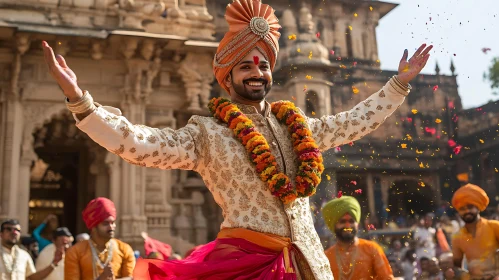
[{"x": 255, "y": 83}]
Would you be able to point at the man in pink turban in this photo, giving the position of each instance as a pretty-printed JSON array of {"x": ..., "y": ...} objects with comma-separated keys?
[
  {"x": 478, "y": 240},
  {"x": 103, "y": 256}
]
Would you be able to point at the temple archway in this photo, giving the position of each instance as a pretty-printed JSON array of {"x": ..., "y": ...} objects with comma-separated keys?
[{"x": 69, "y": 171}]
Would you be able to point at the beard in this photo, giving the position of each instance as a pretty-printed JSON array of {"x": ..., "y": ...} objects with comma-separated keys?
[
  {"x": 346, "y": 236},
  {"x": 245, "y": 92},
  {"x": 469, "y": 218}
]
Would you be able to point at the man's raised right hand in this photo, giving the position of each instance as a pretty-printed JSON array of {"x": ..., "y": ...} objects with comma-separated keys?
[{"x": 63, "y": 75}]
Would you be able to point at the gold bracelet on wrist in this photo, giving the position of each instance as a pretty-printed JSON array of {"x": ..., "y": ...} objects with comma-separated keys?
[
  {"x": 85, "y": 104},
  {"x": 398, "y": 82}
]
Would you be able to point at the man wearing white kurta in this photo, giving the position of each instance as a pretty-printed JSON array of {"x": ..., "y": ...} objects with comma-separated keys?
[{"x": 208, "y": 146}]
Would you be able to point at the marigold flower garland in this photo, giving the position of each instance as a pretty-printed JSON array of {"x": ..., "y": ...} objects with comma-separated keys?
[{"x": 310, "y": 165}]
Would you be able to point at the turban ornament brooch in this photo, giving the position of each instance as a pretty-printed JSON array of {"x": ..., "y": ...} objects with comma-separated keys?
[{"x": 259, "y": 26}]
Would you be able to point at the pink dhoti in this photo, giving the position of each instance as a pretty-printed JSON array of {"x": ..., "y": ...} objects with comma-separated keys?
[{"x": 235, "y": 254}]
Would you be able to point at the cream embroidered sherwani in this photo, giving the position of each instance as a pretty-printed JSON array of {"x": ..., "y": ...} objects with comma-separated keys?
[{"x": 208, "y": 147}]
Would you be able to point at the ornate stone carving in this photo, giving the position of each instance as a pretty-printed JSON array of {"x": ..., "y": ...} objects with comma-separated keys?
[
  {"x": 197, "y": 76},
  {"x": 97, "y": 49},
  {"x": 141, "y": 72},
  {"x": 36, "y": 114}
]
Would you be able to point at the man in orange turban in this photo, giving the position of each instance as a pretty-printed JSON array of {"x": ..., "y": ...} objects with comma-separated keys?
[
  {"x": 261, "y": 161},
  {"x": 102, "y": 256},
  {"x": 478, "y": 240}
]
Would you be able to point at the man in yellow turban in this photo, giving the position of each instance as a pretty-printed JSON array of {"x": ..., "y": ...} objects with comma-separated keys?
[
  {"x": 478, "y": 240},
  {"x": 352, "y": 257},
  {"x": 260, "y": 161}
]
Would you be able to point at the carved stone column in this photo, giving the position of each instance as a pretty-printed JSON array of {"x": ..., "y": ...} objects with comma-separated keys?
[
  {"x": 136, "y": 91},
  {"x": 370, "y": 194},
  {"x": 197, "y": 76}
]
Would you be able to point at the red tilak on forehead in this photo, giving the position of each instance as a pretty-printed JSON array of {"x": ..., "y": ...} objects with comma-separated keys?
[{"x": 256, "y": 60}]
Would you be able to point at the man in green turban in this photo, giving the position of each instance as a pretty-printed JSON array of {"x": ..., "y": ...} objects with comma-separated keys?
[{"x": 352, "y": 257}]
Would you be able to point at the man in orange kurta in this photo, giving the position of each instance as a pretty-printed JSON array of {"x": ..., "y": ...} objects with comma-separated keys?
[
  {"x": 102, "y": 257},
  {"x": 352, "y": 257},
  {"x": 478, "y": 240}
]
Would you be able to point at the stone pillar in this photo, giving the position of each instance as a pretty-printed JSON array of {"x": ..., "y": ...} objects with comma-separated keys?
[
  {"x": 23, "y": 191},
  {"x": 133, "y": 184},
  {"x": 370, "y": 194},
  {"x": 12, "y": 152}
]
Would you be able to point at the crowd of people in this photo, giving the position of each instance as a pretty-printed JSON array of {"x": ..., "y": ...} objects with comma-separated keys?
[{"x": 460, "y": 246}]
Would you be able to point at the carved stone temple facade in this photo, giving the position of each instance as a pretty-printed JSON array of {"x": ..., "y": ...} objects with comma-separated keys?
[{"x": 152, "y": 59}]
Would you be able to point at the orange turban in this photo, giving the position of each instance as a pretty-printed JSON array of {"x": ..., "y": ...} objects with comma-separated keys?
[
  {"x": 470, "y": 194},
  {"x": 97, "y": 211},
  {"x": 251, "y": 25}
]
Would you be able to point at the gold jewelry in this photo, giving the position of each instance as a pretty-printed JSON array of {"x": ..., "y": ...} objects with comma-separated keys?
[
  {"x": 84, "y": 105},
  {"x": 397, "y": 84}
]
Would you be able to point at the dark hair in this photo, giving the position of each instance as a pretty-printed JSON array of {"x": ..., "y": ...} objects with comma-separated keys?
[
  {"x": 423, "y": 259},
  {"x": 62, "y": 231},
  {"x": 10, "y": 222}
]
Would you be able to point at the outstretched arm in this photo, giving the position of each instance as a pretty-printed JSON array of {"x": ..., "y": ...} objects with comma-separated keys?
[
  {"x": 345, "y": 127},
  {"x": 137, "y": 144}
]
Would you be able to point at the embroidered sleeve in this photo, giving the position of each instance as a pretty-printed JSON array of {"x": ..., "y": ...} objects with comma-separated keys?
[
  {"x": 142, "y": 145},
  {"x": 345, "y": 127}
]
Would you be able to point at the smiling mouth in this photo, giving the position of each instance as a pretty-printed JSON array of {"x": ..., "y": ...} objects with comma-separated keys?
[{"x": 255, "y": 84}]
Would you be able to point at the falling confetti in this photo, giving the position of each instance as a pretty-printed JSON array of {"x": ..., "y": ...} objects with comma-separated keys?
[
  {"x": 355, "y": 90},
  {"x": 298, "y": 50},
  {"x": 331, "y": 52},
  {"x": 328, "y": 177},
  {"x": 358, "y": 191},
  {"x": 313, "y": 113},
  {"x": 338, "y": 149},
  {"x": 310, "y": 55},
  {"x": 438, "y": 120},
  {"x": 457, "y": 149},
  {"x": 292, "y": 37},
  {"x": 496, "y": 170},
  {"x": 421, "y": 165},
  {"x": 418, "y": 152},
  {"x": 450, "y": 104},
  {"x": 422, "y": 184},
  {"x": 435, "y": 88},
  {"x": 343, "y": 66},
  {"x": 340, "y": 194},
  {"x": 294, "y": 98},
  {"x": 485, "y": 50},
  {"x": 430, "y": 130},
  {"x": 353, "y": 183},
  {"x": 387, "y": 209},
  {"x": 371, "y": 8},
  {"x": 354, "y": 63},
  {"x": 410, "y": 119},
  {"x": 351, "y": 144},
  {"x": 414, "y": 111},
  {"x": 451, "y": 143},
  {"x": 256, "y": 60},
  {"x": 308, "y": 77},
  {"x": 355, "y": 15},
  {"x": 318, "y": 35},
  {"x": 350, "y": 27},
  {"x": 403, "y": 146},
  {"x": 371, "y": 227},
  {"x": 481, "y": 141}
]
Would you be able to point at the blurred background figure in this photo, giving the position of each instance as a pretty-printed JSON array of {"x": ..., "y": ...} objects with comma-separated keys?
[
  {"x": 31, "y": 246},
  {"x": 82, "y": 237}
]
